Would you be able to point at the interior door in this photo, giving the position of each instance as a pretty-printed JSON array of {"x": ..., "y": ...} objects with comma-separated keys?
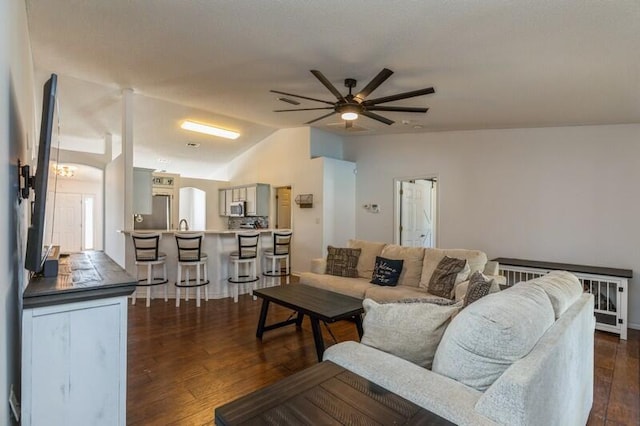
[
  {"x": 67, "y": 222},
  {"x": 417, "y": 217},
  {"x": 283, "y": 207}
]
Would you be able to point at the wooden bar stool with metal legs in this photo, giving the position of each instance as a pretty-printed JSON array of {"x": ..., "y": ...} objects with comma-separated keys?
[
  {"x": 244, "y": 268},
  {"x": 274, "y": 256},
  {"x": 146, "y": 246},
  {"x": 190, "y": 255}
]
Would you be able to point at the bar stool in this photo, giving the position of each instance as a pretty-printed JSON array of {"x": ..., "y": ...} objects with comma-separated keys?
[
  {"x": 244, "y": 262},
  {"x": 276, "y": 254},
  {"x": 146, "y": 246},
  {"x": 190, "y": 255}
]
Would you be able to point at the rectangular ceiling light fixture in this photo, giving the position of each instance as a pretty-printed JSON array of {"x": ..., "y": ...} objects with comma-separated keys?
[{"x": 209, "y": 130}]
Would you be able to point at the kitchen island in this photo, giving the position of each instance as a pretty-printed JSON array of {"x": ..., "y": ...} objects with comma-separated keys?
[{"x": 217, "y": 244}]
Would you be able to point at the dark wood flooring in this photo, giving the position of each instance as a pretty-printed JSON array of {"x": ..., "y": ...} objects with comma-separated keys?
[{"x": 184, "y": 362}]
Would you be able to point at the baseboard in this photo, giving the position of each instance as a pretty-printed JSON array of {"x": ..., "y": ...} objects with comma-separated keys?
[{"x": 633, "y": 326}]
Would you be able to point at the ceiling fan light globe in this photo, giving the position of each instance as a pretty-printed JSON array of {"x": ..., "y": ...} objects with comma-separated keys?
[{"x": 349, "y": 116}]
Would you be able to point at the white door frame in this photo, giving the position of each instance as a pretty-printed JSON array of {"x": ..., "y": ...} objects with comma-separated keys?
[{"x": 397, "y": 219}]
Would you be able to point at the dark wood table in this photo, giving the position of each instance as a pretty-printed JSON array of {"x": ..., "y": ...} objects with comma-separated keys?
[
  {"x": 325, "y": 394},
  {"x": 316, "y": 303}
]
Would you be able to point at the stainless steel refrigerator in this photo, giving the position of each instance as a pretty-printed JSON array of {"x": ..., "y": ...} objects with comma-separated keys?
[{"x": 160, "y": 217}]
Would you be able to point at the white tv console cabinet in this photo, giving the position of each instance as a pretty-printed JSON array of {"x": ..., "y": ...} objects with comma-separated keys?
[
  {"x": 609, "y": 287},
  {"x": 74, "y": 344}
]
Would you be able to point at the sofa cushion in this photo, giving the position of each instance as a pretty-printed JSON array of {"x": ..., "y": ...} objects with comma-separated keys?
[
  {"x": 479, "y": 286},
  {"x": 486, "y": 337},
  {"x": 392, "y": 294},
  {"x": 368, "y": 253},
  {"x": 386, "y": 272},
  {"x": 412, "y": 266},
  {"x": 410, "y": 331},
  {"x": 355, "y": 287},
  {"x": 432, "y": 256},
  {"x": 449, "y": 272},
  {"x": 562, "y": 287},
  {"x": 342, "y": 262}
]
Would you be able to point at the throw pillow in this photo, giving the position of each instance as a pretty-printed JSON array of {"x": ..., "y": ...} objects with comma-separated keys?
[
  {"x": 479, "y": 286},
  {"x": 445, "y": 277},
  {"x": 342, "y": 261},
  {"x": 386, "y": 271},
  {"x": 411, "y": 331}
]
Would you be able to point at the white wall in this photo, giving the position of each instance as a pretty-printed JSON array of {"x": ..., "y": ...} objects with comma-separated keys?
[
  {"x": 283, "y": 159},
  {"x": 566, "y": 194},
  {"x": 114, "y": 242},
  {"x": 210, "y": 187},
  {"x": 17, "y": 133},
  {"x": 338, "y": 202},
  {"x": 325, "y": 144}
]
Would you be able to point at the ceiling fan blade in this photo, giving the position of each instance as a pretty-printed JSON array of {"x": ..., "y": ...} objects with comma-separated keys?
[
  {"x": 399, "y": 96},
  {"x": 328, "y": 85},
  {"x": 373, "y": 84},
  {"x": 289, "y": 101},
  {"x": 301, "y": 109},
  {"x": 320, "y": 118},
  {"x": 301, "y": 97},
  {"x": 377, "y": 117},
  {"x": 397, "y": 109}
]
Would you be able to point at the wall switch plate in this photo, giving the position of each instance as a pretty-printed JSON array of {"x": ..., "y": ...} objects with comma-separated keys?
[{"x": 15, "y": 405}]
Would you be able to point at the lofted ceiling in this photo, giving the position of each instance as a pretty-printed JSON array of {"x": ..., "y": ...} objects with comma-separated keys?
[{"x": 493, "y": 63}]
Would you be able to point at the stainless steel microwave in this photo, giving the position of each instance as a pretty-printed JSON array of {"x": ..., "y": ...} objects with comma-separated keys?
[{"x": 236, "y": 209}]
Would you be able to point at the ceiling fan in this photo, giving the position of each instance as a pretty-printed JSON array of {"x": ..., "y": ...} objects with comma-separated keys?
[{"x": 351, "y": 106}]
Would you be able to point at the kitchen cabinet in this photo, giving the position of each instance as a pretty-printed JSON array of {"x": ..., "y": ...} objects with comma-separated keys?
[
  {"x": 240, "y": 194},
  {"x": 255, "y": 196},
  {"x": 258, "y": 200},
  {"x": 142, "y": 190},
  {"x": 222, "y": 202}
]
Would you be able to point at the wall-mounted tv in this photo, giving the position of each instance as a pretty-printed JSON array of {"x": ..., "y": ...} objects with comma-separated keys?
[{"x": 36, "y": 252}]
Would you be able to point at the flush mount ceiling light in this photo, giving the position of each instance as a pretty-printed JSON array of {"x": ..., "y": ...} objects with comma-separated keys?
[
  {"x": 66, "y": 171},
  {"x": 209, "y": 130}
]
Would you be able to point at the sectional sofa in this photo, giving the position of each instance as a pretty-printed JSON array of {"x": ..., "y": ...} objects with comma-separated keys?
[
  {"x": 419, "y": 265},
  {"x": 519, "y": 357}
]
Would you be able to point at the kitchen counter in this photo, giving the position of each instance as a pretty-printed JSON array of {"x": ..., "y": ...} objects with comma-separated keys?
[{"x": 217, "y": 244}]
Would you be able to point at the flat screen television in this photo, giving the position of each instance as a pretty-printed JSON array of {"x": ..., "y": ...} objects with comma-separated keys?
[{"x": 36, "y": 253}]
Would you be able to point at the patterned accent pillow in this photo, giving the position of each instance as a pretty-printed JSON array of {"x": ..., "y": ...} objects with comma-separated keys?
[
  {"x": 479, "y": 286},
  {"x": 342, "y": 262},
  {"x": 386, "y": 272},
  {"x": 444, "y": 277}
]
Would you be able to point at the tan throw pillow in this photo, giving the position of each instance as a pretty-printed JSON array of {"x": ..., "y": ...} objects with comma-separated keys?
[
  {"x": 411, "y": 331},
  {"x": 449, "y": 272},
  {"x": 342, "y": 262},
  {"x": 412, "y": 262}
]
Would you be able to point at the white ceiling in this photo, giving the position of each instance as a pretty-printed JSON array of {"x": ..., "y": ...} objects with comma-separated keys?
[{"x": 493, "y": 63}]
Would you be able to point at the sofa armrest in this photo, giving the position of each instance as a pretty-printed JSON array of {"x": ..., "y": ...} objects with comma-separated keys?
[
  {"x": 438, "y": 394},
  {"x": 318, "y": 266}
]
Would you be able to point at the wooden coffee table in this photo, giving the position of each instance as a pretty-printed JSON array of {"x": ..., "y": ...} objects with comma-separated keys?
[
  {"x": 318, "y": 304},
  {"x": 324, "y": 394}
]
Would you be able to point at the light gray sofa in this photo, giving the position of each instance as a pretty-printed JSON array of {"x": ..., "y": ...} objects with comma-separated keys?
[
  {"x": 419, "y": 265},
  {"x": 521, "y": 356}
]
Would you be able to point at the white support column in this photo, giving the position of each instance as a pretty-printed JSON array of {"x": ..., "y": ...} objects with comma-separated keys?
[{"x": 127, "y": 152}]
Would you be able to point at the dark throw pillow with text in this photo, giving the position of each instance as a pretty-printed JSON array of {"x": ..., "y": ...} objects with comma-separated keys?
[{"x": 386, "y": 272}]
